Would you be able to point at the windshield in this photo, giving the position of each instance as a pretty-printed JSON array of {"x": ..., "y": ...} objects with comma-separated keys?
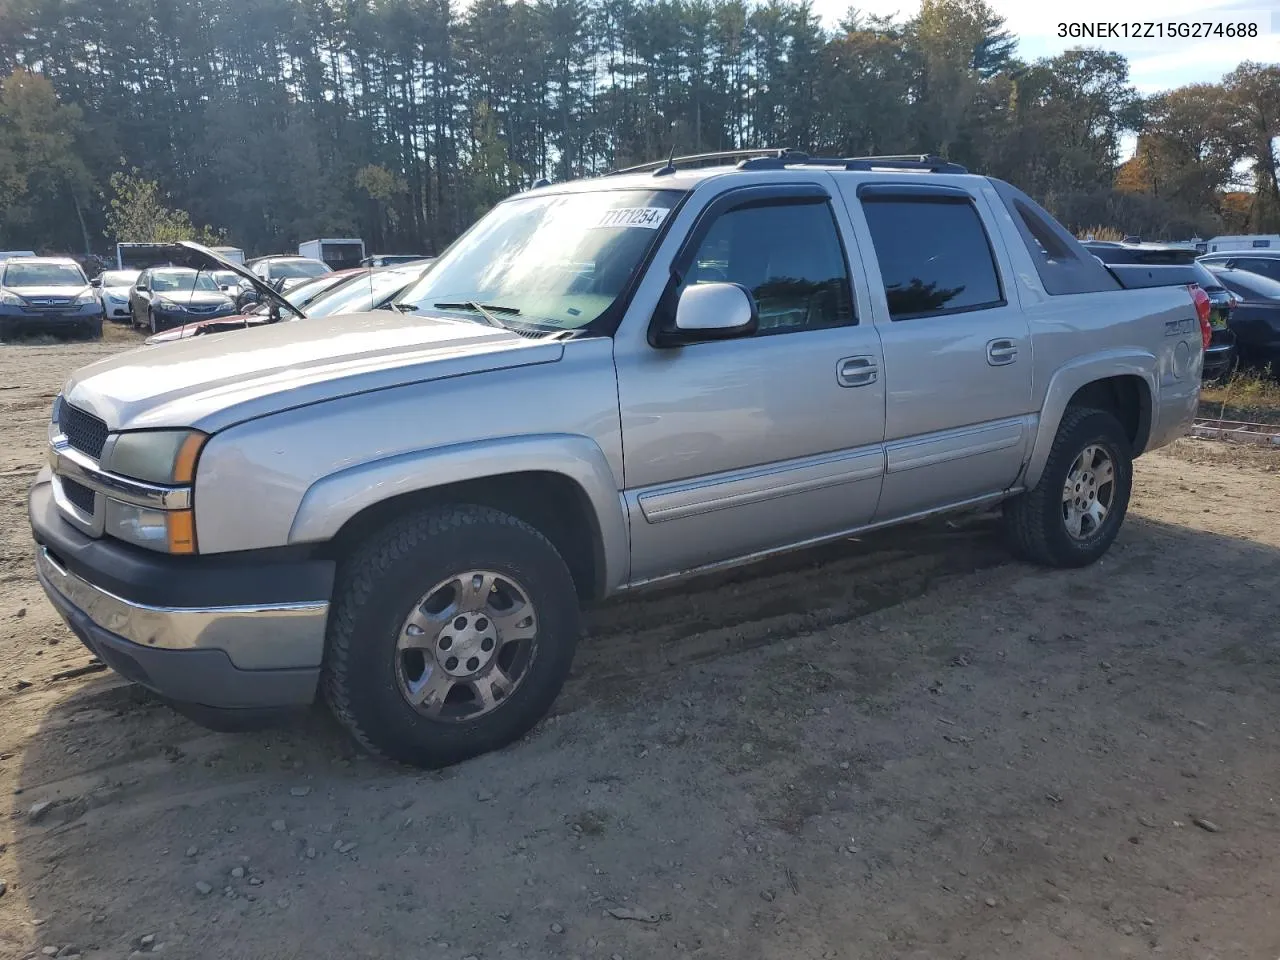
[
  {"x": 225, "y": 278},
  {"x": 560, "y": 260},
  {"x": 168, "y": 281},
  {"x": 303, "y": 293},
  {"x": 43, "y": 275},
  {"x": 292, "y": 269},
  {"x": 363, "y": 292},
  {"x": 1255, "y": 285},
  {"x": 119, "y": 278}
]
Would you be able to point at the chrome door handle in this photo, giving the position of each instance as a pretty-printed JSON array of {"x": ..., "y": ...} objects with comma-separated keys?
[
  {"x": 1000, "y": 352},
  {"x": 857, "y": 371}
]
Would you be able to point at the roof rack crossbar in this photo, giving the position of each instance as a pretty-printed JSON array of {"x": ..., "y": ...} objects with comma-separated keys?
[
  {"x": 919, "y": 161},
  {"x": 695, "y": 158}
]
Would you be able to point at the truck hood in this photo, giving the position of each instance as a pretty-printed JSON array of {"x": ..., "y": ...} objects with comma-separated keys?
[{"x": 211, "y": 383}]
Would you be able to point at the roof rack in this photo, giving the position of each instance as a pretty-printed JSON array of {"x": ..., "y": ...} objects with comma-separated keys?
[{"x": 779, "y": 158}]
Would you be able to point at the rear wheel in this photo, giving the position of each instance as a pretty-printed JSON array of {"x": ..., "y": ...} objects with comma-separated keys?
[
  {"x": 1074, "y": 513},
  {"x": 452, "y": 634}
]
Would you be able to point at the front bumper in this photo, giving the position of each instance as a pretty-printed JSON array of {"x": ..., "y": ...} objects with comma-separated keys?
[
  {"x": 117, "y": 310},
  {"x": 48, "y": 321},
  {"x": 231, "y": 631}
]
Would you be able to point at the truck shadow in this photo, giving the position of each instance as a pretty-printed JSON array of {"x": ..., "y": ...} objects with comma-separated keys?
[{"x": 640, "y": 776}]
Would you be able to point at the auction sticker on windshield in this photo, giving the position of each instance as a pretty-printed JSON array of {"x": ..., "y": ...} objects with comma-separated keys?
[{"x": 649, "y": 218}]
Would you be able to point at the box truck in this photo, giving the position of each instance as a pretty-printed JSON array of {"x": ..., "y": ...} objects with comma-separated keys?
[{"x": 340, "y": 254}]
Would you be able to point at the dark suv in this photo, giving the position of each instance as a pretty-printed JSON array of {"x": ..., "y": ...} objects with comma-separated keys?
[{"x": 47, "y": 295}]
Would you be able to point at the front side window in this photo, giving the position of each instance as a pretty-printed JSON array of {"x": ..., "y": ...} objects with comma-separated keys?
[
  {"x": 789, "y": 256},
  {"x": 43, "y": 275},
  {"x": 560, "y": 261},
  {"x": 362, "y": 292},
  {"x": 934, "y": 256}
]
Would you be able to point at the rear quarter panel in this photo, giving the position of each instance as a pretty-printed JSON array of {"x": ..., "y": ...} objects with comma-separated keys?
[{"x": 1152, "y": 334}]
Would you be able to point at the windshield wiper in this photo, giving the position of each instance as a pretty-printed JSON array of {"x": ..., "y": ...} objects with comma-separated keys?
[
  {"x": 484, "y": 308},
  {"x": 403, "y": 307}
]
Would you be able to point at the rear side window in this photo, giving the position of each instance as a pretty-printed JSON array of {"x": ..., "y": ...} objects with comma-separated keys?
[
  {"x": 1062, "y": 264},
  {"x": 934, "y": 255}
]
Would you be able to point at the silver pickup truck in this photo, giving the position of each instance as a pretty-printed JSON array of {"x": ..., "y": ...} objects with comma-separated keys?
[{"x": 603, "y": 384}]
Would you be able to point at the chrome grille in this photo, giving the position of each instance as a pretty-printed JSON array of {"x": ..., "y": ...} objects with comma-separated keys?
[
  {"x": 83, "y": 431},
  {"x": 80, "y": 495}
]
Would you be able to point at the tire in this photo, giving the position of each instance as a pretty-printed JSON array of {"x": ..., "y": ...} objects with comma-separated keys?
[
  {"x": 1039, "y": 521},
  {"x": 392, "y": 578},
  {"x": 93, "y": 329},
  {"x": 151, "y": 322}
]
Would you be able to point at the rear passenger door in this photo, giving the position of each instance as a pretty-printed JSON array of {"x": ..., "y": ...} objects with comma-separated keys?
[{"x": 957, "y": 346}]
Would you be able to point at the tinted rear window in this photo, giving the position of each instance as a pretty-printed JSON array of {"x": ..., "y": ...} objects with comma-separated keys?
[{"x": 934, "y": 256}]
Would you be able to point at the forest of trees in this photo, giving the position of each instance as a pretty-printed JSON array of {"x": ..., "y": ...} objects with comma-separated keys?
[{"x": 274, "y": 121}]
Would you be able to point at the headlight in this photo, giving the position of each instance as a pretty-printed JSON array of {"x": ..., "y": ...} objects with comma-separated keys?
[
  {"x": 155, "y": 456},
  {"x": 11, "y": 299},
  {"x": 158, "y": 456},
  {"x": 86, "y": 298},
  {"x": 166, "y": 304},
  {"x": 56, "y": 414}
]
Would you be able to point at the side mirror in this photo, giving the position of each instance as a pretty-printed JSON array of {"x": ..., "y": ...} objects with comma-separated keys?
[
  {"x": 142, "y": 287},
  {"x": 96, "y": 282},
  {"x": 712, "y": 311}
]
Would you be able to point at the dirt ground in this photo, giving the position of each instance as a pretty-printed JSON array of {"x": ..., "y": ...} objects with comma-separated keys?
[{"x": 903, "y": 747}]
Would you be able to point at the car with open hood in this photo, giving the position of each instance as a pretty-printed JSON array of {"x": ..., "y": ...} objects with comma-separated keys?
[{"x": 47, "y": 295}]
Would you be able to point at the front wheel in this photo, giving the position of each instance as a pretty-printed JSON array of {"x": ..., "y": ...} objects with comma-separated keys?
[
  {"x": 151, "y": 321},
  {"x": 1074, "y": 513},
  {"x": 451, "y": 635}
]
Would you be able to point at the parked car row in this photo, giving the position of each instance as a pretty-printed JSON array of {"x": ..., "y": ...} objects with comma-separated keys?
[{"x": 347, "y": 291}]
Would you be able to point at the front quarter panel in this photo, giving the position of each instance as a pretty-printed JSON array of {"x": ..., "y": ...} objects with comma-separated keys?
[{"x": 344, "y": 454}]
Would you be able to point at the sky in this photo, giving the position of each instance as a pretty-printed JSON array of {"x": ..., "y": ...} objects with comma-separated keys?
[{"x": 1155, "y": 64}]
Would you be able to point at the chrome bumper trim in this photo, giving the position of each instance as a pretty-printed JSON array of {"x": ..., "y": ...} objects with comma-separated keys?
[
  {"x": 254, "y": 637},
  {"x": 70, "y": 462}
]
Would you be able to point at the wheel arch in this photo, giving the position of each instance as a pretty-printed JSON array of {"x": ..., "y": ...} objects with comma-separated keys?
[
  {"x": 1121, "y": 383},
  {"x": 560, "y": 485}
]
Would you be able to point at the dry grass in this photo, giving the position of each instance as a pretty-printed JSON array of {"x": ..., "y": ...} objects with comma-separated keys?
[
  {"x": 1249, "y": 395},
  {"x": 1101, "y": 233}
]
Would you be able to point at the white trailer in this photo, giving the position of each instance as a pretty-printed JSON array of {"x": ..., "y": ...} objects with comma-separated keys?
[
  {"x": 234, "y": 254},
  {"x": 340, "y": 254},
  {"x": 1256, "y": 241}
]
